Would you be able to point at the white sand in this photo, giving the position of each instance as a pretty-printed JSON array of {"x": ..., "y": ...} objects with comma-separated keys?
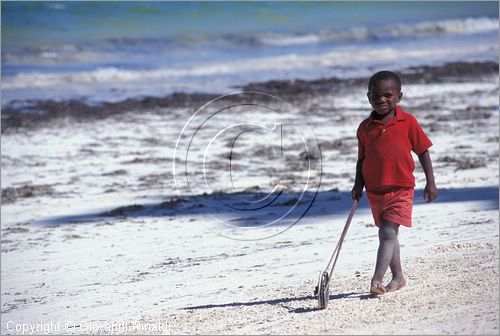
[
  {"x": 63, "y": 263},
  {"x": 452, "y": 289}
]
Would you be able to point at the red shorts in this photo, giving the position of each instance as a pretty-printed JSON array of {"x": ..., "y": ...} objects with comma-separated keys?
[{"x": 394, "y": 204}]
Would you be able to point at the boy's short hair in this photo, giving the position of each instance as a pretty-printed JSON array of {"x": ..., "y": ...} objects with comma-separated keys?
[{"x": 384, "y": 75}]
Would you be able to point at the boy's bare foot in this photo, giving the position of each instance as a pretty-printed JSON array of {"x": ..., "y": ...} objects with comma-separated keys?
[
  {"x": 377, "y": 289},
  {"x": 395, "y": 284}
]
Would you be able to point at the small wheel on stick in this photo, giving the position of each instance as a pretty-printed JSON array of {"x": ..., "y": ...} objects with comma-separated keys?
[{"x": 323, "y": 292}]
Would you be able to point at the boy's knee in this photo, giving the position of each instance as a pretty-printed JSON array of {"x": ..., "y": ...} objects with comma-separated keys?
[{"x": 387, "y": 232}]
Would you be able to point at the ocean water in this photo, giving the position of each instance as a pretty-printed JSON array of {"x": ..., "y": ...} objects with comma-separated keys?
[{"x": 109, "y": 51}]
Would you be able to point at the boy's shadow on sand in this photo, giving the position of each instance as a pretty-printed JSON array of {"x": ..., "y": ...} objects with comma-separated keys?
[{"x": 283, "y": 302}]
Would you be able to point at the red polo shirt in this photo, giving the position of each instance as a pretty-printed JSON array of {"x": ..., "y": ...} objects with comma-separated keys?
[{"x": 385, "y": 150}]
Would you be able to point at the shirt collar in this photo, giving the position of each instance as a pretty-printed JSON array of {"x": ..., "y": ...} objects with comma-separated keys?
[{"x": 399, "y": 115}]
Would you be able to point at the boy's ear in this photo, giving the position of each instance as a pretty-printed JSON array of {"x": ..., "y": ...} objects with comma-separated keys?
[{"x": 400, "y": 96}]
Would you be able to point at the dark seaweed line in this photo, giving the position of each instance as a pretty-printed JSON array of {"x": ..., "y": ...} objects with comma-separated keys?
[{"x": 40, "y": 113}]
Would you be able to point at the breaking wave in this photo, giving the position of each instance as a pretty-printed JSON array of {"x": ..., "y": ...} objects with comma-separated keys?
[{"x": 397, "y": 31}]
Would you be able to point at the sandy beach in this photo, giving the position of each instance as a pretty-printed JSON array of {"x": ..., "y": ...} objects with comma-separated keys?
[
  {"x": 445, "y": 295},
  {"x": 185, "y": 168},
  {"x": 89, "y": 235}
]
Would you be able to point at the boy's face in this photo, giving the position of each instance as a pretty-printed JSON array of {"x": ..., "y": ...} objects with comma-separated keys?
[{"x": 384, "y": 96}]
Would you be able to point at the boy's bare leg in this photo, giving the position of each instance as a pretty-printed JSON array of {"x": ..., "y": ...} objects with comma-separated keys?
[
  {"x": 387, "y": 234},
  {"x": 398, "y": 281}
]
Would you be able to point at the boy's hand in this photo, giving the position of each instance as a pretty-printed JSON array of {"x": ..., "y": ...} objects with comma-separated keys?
[
  {"x": 430, "y": 192},
  {"x": 357, "y": 192}
]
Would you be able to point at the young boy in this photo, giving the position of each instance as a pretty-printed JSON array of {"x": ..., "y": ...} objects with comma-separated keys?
[{"x": 385, "y": 167}]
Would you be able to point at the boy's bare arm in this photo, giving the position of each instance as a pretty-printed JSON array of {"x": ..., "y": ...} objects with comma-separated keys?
[
  {"x": 430, "y": 191},
  {"x": 359, "y": 182}
]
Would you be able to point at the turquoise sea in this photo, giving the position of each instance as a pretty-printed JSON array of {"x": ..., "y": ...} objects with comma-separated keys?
[{"x": 109, "y": 51}]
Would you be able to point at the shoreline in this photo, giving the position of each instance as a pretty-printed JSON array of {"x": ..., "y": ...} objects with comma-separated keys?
[{"x": 39, "y": 113}]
